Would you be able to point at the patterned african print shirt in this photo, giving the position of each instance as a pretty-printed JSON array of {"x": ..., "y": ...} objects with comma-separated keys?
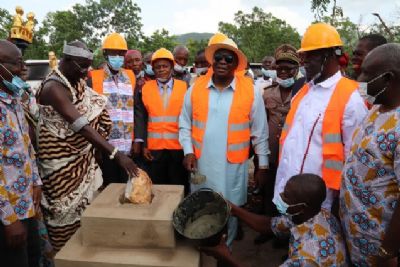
[
  {"x": 370, "y": 184},
  {"x": 316, "y": 242},
  {"x": 18, "y": 170},
  {"x": 120, "y": 108}
]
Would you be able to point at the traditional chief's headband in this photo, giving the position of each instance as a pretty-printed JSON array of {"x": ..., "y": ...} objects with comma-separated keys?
[{"x": 77, "y": 51}]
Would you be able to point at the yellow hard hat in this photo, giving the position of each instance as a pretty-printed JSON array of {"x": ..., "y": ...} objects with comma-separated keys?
[
  {"x": 115, "y": 41},
  {"x": 217, "y": 38},
  {"x": 162, "y": 53},
  {"x": 228, "y": 44},
  {"x": 319, "y": 36}
]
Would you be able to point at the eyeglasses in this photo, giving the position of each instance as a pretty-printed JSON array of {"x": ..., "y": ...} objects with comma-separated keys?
[{"x": 228, "y": 58}]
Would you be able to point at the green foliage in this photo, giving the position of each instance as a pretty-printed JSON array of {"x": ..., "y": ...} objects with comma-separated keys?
[
  {"x": 159, "y": 38},
  {"x": 319, "y": 7},
  {"x": 194, "y": 36},
  {"x": 99, "y": 18},
  {"x": 5, "y": 23},
  {"x": 61, "y": 26},
  {"x": 194, "y": 46},
  {"x": 258, "y": 34}
]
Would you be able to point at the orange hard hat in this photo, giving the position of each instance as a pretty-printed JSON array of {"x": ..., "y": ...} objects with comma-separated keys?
[
  {"x": 114, "y": 41},
  {"x": 217, "y": 38},
  {"x": 162, "y": 53},
  {"x": 319, "y": 36}
]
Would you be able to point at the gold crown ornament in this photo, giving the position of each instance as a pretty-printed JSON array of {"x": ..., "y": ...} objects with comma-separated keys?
[{"x": 23, "y": 29}]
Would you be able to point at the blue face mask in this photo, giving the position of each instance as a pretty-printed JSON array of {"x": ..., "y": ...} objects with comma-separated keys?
[
  {"x": 116, "y": 62},
  {"x": 282, "y": 207},
  {"x": 285, "y": 83},
  {"x": 302, "y": 70},
  {"x": 17, "y": 85},
  {"x": 269, "y": 73},
  {"x": 148, "y": 69}
]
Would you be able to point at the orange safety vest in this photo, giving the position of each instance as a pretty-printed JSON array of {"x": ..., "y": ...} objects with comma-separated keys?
[
  {"x": 332, "y": 142},
  {"x": 162, "y": 125},
  {"x": 98, "y": 79},
  {"x": 238, "y": 144}
]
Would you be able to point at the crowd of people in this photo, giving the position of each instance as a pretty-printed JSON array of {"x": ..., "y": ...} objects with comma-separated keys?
[{"x": 323, "y": 138}]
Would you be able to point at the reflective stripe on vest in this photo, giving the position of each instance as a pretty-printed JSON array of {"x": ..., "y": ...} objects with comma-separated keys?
[
  {"x": 332, "y": 142},
  {"x": 238, "y": 143},
  {"x": 162, "y": 125}
]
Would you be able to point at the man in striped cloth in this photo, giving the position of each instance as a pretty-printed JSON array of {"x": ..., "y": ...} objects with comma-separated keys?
[{"x": 73, "y": 122}]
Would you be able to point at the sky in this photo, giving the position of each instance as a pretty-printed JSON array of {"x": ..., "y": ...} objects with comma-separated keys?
[{"x": 183, "y": 16}]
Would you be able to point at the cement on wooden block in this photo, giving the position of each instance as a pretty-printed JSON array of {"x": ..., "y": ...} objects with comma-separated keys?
[
  {"x": 108, "y": 223},
  {"x": 74, "y": 254}
]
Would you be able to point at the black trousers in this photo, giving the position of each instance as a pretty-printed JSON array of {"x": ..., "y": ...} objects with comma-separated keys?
[
  {"x": 26, "y": 256},
  {"x": 112, "y": 172},
  {"x": 167, "y": 168}
]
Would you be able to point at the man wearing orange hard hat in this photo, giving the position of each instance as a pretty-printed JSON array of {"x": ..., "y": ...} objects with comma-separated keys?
[
  {"x": 118, "y": 85},
  {"x": 317, "y": 134},
  {"x": 222, "y": 116},
  {"x": 157, "y": 113}
]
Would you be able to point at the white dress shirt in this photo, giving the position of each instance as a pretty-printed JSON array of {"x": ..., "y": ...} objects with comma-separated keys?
[{"x": 314, "y": 104}]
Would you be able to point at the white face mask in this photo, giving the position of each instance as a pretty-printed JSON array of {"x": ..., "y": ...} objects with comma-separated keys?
[
  {"x": 363, "y": 90},
  {"x": 178, "y": 68},
  {"x": 200, "y": 71},
  {"x": 269, "y": 73},
  {"x": 285, "y": 83},
  {"x": 163, "y": 80}
]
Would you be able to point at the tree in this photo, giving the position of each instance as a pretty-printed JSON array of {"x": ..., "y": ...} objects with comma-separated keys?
[
  {"x": 101, "y": 18},
  {"x": 159, "y": 38},
  {"x": 5, "y": 23},
  {"x": 60, "y": 27},
  {"x": 319, "y": 7},
  {"x": 194, "y": 46},
  {"x": 258, "y": 34}
]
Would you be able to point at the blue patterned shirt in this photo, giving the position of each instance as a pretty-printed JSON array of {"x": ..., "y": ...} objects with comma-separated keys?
[{"x": 18, "y": 170}]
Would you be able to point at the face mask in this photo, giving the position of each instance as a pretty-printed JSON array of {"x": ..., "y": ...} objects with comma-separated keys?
[
  {"x": 285, "y": 83},
  {"x": 363, "y": 89},
  {"x": 163, "y": 80},
  {"x": 178, "y": 68},
  {"x": 282, "y": 207},
  {"x": 148, "y": 69},
  {"x": 302, "y": 70},
  {"x": 140, "y": 74},
  {"x": 17, "y": 85},
  {"x": 269, "y": 73},
  {"x": 116, "y": 62},
  {"x": 250, "y": 73},
  {"x": 200, "y": 71}
]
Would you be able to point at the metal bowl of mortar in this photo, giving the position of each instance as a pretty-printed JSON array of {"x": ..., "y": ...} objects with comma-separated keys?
[{"x": 202, "y": 216}]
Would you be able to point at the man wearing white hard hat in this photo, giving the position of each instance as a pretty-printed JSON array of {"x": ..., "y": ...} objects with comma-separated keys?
[{"x": 222, "y": 116}]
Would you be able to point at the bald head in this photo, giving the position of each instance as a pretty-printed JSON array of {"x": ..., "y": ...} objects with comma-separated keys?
[
  {"x": 268, "y": 62},
  {"x": 180, "y": 48},
  {"x": 306, "y": 188},
  {"x": 385, "y": 57},
  {"x": 8, "y": 51},
  {"x": 181, "y": 55}
]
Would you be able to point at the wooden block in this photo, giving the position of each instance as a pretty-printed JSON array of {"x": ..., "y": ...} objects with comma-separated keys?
[
  {"x": 74, "y": 254},
  {"x": 108, "y": 223}
]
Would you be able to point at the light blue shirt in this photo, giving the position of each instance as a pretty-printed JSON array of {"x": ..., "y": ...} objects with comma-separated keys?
[
  {"x": 170, "y": 85},
  {"x": 224, "y": 177}
]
